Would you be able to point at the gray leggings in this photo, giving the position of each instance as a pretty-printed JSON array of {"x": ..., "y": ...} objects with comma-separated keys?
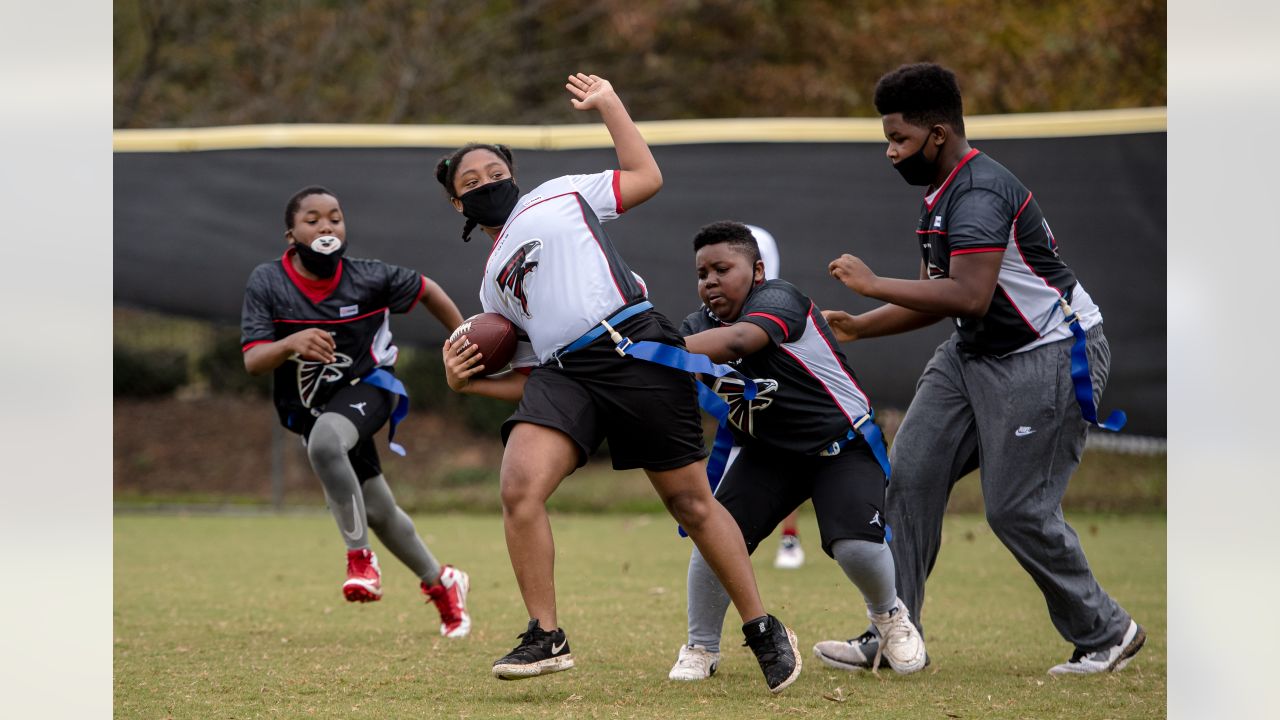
[
  {"x": 362, "y": 506},
  {"x": 868, "y": 564}
]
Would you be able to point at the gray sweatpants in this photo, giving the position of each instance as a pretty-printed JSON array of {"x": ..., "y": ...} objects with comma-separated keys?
[{"x": 1018, "y": 417}]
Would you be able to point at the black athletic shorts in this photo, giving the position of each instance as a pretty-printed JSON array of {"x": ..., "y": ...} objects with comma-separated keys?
[
  {"x": 368, "y": 408},
  {"x": 648, "y": 412},
  {"x": 764, "y": 484}
]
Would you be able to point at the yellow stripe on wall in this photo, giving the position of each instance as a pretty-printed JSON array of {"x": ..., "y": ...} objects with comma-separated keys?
[{"x": 662, "y": 132}]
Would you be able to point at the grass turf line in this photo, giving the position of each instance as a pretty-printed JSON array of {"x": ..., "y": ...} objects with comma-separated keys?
[{"x": 242, "y": 617}]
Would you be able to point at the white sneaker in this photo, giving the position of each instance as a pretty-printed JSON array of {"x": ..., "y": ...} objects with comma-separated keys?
[
  {"x": 695, "y": 663},
  {"x": 900, "y": 641},
  {"x": 790, "y": 555},
  {"x": 1111, "y": 659}
]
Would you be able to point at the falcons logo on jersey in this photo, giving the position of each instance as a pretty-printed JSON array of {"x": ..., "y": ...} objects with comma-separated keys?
[
  {"x": 511, "y": 278},
  {"x": 313, "y": 373},
  {"x": 742, "y": 412}
]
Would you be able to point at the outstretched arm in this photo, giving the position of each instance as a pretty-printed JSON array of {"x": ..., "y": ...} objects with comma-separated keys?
[
  {"x": 887, "y": 319},
  {"x": 728, "y": 343},
  {"x": 884, "y": 320},
  {"x": 439, "y": 304},
  {"x": 640, "y": 178},
  {"x": 966, "y": 291}
]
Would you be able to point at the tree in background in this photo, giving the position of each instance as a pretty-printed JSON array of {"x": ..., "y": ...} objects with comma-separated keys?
[{"x": 205, "y": 62}]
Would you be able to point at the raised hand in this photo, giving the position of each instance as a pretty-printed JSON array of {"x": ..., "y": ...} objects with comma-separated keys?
[{"x": 590, "y": 92}]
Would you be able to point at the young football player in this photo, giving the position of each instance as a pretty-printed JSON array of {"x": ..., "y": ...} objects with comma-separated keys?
[
  {"x": 1002, "y": 389},
  {"x": 320, "y": 321},
  {"x": 790, "y": 555},
  {"x": 555, "y": 274},
  {"x": 806, "y": 435}
]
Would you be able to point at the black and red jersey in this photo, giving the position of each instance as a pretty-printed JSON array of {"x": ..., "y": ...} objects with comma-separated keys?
[
  {"x": 353, "y": 306},
  {"x": 982, "y": 207},
  {"x": 807, "y": 395}
]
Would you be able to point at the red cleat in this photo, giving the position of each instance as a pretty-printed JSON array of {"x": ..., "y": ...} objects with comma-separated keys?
[
  {"x": 450, "y": 597},
  {"x": 364, "y": 578}
]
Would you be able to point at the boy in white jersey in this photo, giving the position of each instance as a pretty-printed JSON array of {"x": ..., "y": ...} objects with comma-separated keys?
[
  {"x": 1001, "y": 390},
  {"x": 554, "y": 273}
]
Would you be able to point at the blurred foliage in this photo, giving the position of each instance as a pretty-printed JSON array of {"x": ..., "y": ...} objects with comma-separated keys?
[
  {"x": 222, "y": 366},
  {"x": 147, "y": 373},
  {"x": 422, "y": 371},
  {"x": 181, "y": 63}
]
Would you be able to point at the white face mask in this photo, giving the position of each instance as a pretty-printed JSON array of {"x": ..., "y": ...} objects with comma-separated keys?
[{"x": 322, "y": 256}]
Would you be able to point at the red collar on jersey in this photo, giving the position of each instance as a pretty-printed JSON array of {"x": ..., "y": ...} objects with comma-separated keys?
[
  {"x": 315, "y": 290},
  {"x": 936, "y": 194}
]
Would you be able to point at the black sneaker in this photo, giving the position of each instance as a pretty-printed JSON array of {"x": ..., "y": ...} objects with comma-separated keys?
[
  {"x": 776, "y": 650},
  {"x": 539, "y": 653}
]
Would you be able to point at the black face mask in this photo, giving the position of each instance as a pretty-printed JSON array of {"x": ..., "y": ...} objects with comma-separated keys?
[
  {"x": 915, "y": 168},
  {"x": 491, "y": 204},
  {"x": 316, "y": 260}
]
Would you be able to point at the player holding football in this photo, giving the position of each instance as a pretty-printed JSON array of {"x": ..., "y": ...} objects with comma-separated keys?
[
  {"x": 1001, "y": 389},
  {"x": 555, "y": 274},
  {"x": 320, "y": 322},
  {"x": 806, "y": 435}
]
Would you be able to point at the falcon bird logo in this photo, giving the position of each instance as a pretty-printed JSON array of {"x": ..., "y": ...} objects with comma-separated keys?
[
  {"x": 313, "y": 373},
  {"x": 742, "y": 412},
  {"x": 511, "y": 278}
]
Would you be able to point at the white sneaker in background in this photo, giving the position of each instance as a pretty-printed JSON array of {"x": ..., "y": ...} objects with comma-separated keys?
[{"x": 790, "y": 555}]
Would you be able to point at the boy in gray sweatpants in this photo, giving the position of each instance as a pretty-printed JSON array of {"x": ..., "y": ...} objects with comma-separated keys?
[{"x": 1000, "y": 389}]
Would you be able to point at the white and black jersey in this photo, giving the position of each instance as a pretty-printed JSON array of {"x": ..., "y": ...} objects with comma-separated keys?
[
  {"x": 353, "y": 306},
  {"x": 552, "y": 270},
  {"x": 982, "y": 207},
  {"x": 808, "y": 396}
]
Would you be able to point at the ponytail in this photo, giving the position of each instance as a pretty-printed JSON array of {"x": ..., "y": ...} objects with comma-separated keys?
[{"x": 447, "y": 169}]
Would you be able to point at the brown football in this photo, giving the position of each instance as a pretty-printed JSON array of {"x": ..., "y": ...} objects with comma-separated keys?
[{"x": 495, "y": 335}]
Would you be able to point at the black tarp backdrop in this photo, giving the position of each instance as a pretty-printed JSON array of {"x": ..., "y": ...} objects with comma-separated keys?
[{"x": 190, "y": 226}]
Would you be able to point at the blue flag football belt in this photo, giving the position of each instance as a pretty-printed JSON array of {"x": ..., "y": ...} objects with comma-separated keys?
[
  {"x": 679, "y": 359},
  {"x": 1080, "y": 374},
  {"x": 380, "y": 378},
  {"x": 870, "y": 432},
  {"x": 594, "y": 333}
]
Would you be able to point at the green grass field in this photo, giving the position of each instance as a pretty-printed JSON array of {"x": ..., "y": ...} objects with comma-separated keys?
[{"x": 241, "y": 617}]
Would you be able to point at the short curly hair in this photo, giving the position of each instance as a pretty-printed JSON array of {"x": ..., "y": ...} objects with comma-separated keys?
[
  {"x": 925, "y": 93},
  {"x": 737, "y": 235}
]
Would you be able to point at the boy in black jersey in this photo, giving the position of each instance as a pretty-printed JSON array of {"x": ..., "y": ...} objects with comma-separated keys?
[
  {"x": 1001, "y": 387},
  {"x": 798, "y": 442},
  {"x": 321, "y": 323}
]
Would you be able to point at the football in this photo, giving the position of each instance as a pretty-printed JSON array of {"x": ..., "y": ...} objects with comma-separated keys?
[{"x": 496, "y": 337}]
